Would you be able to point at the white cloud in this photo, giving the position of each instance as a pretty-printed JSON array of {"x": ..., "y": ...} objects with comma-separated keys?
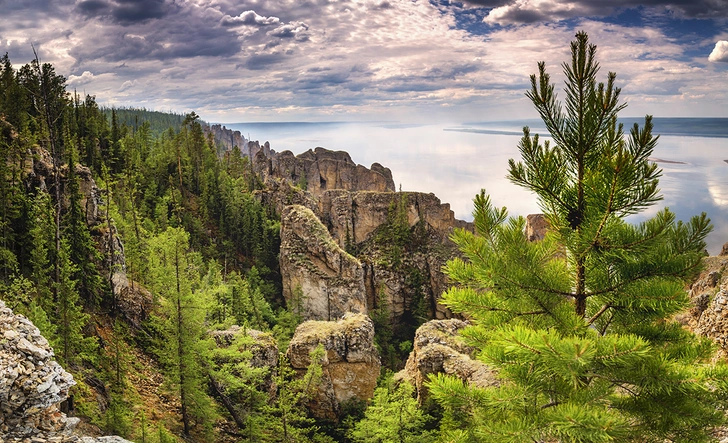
[
  {"x": 249, "y": 18},
  {"x": 78, "y": 80},
  {"x": 127, "y": 84},
  {"x": 720, "y": 52},
  {"x": 359, "y": 59}
]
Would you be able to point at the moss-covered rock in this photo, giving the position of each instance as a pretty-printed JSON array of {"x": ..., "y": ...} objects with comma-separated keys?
[{"x": 350, "y": 365}]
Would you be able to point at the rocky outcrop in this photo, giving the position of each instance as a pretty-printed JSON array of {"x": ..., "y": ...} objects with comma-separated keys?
[
  {"x": 40, "y": 175},
  {"x": 356, "y": 205},
  {"x": 709, "y": 296},
  {"x": 356, "y": 216},
  {"x": 438, "y": 349},
  {"x": 31, "y": 382},
  {"x": 350, "y": 366},
  {"x": 320, "y": 170},
  {"x": 319, "y": 278},
  {"x": 536, "y": 227},
  {"x": 226, "y": 138},
  {"x": 32, "y": 385}
]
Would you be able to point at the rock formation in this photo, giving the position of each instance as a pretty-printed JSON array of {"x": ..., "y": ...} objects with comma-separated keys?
[
  {"x": 709, "y": 296},
  {"x": 350, "y": 366},
  {"x": 439, "y": 349},
  {"x": 536, "y": 227},
  {"x": 355, "y": 205},
  {"x": 32, "y": 385},
  {"x": 320, "y": 278},
  {"x": 227, "y": 138},
  {"x": 321, "y": 169}
]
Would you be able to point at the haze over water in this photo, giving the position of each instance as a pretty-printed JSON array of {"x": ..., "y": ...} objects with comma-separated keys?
[{"x": 455, "y": 161}]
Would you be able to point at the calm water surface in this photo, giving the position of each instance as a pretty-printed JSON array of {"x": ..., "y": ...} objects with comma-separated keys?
[{"x": 456, "y": 161}]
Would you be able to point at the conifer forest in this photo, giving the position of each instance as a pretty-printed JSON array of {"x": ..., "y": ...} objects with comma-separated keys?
[{"x": 149, "y": 255}]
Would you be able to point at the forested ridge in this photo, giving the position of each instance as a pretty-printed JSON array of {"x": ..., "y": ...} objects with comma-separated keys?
[{"x": 579, "y": 326}]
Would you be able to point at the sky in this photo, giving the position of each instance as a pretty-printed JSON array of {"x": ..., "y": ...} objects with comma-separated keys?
[{"x": 371, "y": 60}]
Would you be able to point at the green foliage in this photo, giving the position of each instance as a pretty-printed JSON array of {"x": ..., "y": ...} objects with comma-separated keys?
[
  {"x": 393, "y": 417},
  {"x": 580, "y": 324},
  {"x": 184, "y": 345},
  {"x": 287, "y": 419},
  {"x": 68, "y": 317},
  {"x": 82, "y": 250},
  {"x": 116, "y": 360}
]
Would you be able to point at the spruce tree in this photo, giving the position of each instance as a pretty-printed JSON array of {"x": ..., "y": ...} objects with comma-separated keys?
[{"x": 580, "y": 325}]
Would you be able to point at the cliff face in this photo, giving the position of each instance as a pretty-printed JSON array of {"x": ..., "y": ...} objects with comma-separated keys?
[
  {"x": 349, "y": 210},
  {"x": 709, "y": 296},
  {"x": 321, "y": 169},
  {"x": 227, "y": 138},
  {"x": 320, "y": 279}
]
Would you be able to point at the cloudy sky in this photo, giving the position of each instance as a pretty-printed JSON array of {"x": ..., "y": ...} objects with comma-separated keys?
[{"x": 404, "y": 60}]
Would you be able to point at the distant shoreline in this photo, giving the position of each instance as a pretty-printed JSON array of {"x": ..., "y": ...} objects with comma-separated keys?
[{"x": 711, "y": 127}]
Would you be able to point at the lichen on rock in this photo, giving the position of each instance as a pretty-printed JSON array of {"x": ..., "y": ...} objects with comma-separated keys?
[
  {"x": 350, "y": 366},
  {"x": 439, "y": 349},
  {"x": 318, "y": 275}
]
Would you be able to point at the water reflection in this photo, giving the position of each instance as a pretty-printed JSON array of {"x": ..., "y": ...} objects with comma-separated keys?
[{"x": 455, "y": 165}]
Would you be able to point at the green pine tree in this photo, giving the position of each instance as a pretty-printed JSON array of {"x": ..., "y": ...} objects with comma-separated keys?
[
  {"x": 184, "y": 343},
  {"x": 82, "y": 249},
  {"x": 580, "y": 325},
  {"x": 393, "y": 417},
  {"x": 69, "y": 318}
]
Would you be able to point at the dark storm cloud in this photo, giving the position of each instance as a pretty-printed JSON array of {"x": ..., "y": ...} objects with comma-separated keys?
[
  {"x": 262, "y": 61},
  {"x": 126, "y": 12},
  {"x": 184, "y": 33},
  {"x": 50, "y": 6},
  {"x": 93, "y": 7}
]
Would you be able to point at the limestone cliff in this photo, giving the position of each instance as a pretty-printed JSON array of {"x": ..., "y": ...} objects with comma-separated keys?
[
  {"x": 350, "y": 365},
  {"x": 319, "y": 277},
  {"x": 709, "y": 296},
  {"x": 356, "y": 207},
  {"x": 321, "y": 169},
  {"x": 226, "y": 138}
]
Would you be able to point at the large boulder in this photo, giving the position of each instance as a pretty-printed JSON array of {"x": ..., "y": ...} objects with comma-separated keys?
[
  {"x": 438, "y": 348},
  {"x": 350, "y": 366},
  {"x": 32, "y": 383},
  {"x": 320, "y": 279}
]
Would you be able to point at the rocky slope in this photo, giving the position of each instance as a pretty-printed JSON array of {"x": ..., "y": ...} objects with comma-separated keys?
[
  {"x": 32, "y": 386},
  {"x": 709, "y": 296}
]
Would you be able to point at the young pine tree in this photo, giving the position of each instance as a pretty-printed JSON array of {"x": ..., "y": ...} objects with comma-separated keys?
[{"x": 580, "y": 325}]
